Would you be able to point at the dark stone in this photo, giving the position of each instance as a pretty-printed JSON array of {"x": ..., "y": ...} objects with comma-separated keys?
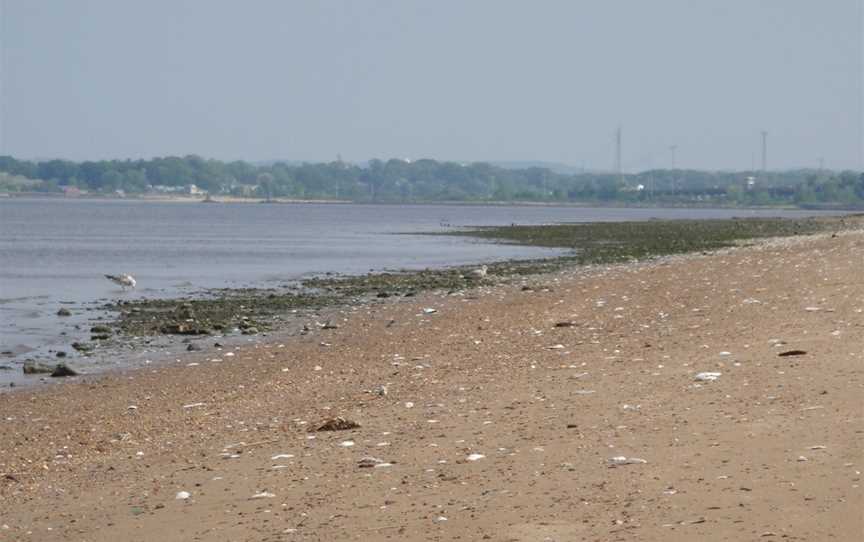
[
  {"x": 61, "y": 354},
  {"x": 792, "y": 353},
  {"x": 62, "y": 370},
  {"x": 336, "y": 424},
  {"x": 100, "y": 337},
  {"x": 100, "y": 329},
  {"x": 383, "y": 294},
  {"x": 64, "y": 312},
  {"x": 82, "y": 347},
  {"x": 192, "y": 347}
]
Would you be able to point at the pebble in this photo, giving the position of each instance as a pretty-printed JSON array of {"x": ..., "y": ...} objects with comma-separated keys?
[{"x": 707, "y": 376}]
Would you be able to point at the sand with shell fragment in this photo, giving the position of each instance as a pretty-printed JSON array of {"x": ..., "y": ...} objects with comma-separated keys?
[{"x": 485, "y": 420}]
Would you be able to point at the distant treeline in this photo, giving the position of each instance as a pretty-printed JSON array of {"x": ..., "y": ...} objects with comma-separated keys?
[{"x": 430, "y": 180}]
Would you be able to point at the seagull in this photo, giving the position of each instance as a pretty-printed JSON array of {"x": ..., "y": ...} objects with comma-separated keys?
[
  {"x": 125, "y": 280},
  {"x": 479, "y": 273}
]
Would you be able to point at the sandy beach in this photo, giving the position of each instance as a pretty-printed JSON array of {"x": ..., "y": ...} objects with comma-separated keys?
[{"x": 644, "y": 401}]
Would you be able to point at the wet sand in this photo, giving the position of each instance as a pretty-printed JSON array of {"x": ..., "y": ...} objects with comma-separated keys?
[{"x": 496, "y": 424}]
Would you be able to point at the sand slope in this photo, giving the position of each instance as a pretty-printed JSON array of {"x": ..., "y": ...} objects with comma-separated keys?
[{"x": 771, "y": 450}]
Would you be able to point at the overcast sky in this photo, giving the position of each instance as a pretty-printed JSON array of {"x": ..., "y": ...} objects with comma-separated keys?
[{"x": 463, "y": 80}]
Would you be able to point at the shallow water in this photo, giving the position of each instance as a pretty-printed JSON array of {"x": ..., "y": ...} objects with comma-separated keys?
[{"x": 54, "y": 252}]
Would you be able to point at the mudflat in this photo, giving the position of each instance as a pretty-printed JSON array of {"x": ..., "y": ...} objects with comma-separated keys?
[{"x": 698, "y": 397}]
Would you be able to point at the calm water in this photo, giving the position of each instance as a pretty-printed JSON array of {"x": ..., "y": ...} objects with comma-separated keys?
[{"x": 57, "y": 251}]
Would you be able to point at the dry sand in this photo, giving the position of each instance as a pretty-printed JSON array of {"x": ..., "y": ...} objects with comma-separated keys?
[{"x": 771, "y": 450}]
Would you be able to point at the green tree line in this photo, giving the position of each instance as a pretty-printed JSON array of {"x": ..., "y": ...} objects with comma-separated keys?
[{"x": 430, "y": 180}]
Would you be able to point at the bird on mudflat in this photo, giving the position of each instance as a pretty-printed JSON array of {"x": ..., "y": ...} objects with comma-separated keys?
[
  {"x": 124, "y": 280},
  {"x": 479, "y": 273}
]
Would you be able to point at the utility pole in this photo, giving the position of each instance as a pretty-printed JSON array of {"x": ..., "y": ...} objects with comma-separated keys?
[
  {"x": 764, "y": 151},
  {"x": 619, "y": 170},
  {"x": 672, "y": 149},
  {"x": 821, "y": 164}
]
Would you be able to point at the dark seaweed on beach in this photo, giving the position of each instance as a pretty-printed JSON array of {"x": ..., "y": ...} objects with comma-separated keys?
[{"x": 251, "y": 310}]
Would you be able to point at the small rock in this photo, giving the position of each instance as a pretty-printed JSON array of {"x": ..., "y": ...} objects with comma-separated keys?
[
  {"x": 61, "y": 354},
  {"x": 100, "y": 329},
  {"x": 33, "y": 367},
  {"x": 565, "y": 324},
  {"x": 192, "y": 347},
  {"x": 475, "y": 457},
  {"x": 336, "y": 424},
  {"x": 250, "y": 331},
  {"x": 82, "y": 347},
  {"x": 62, "y": 370},
  {"x": 369, "y": 462},
  {"x": 64, "y": 312},
  {"x": 183, "y": 495},
  {"x": 707, "y": 376}
]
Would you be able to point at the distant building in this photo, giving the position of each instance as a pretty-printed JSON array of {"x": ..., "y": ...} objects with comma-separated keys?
[
  {"x": 71, "y": 191},
  {"x": 190, "y": 189}
]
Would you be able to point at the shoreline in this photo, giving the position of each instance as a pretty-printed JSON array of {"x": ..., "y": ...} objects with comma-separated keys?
[
  {"x": 289, "y": 201},
  {"x": 489, "y": 375},
  {"x": 133, "y": 334}
]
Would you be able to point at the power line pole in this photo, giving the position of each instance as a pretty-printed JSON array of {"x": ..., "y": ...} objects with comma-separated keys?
[
  {"x": 618, "y": 151},
  {"x": 672, "y": 149},
  {"x": 764, "y": 150}
]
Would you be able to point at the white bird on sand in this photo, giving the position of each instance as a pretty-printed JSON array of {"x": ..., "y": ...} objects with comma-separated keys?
[
  {"x": 479, "y": 273},
  {"x": 125, "y": 280}
]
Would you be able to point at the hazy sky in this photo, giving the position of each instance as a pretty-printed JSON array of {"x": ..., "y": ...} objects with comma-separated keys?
[{"x": 465, "y": 80}]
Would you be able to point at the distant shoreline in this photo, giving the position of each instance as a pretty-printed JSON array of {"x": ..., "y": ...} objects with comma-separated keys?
[{"x": 237, "y": 200}]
